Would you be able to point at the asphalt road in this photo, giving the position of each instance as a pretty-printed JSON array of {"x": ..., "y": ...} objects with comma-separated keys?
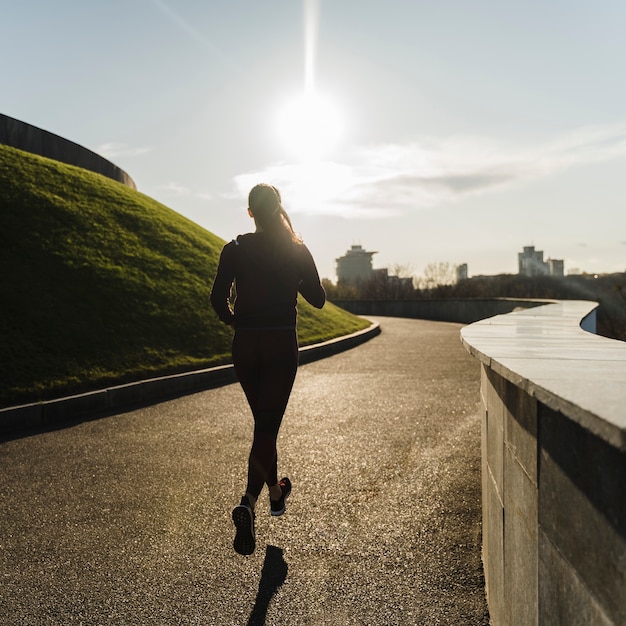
[{"x": 126, "y": 519}]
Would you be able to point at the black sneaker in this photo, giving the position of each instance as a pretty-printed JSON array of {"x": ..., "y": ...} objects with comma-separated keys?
[
  {"x": 278, "y": 507},
  {"x": 243, "y": 518}
]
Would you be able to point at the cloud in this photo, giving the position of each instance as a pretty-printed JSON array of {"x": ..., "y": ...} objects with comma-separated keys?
[
  {"x": 112, "y": 150},
  {"x": 322, "y": 188},
  {"x": 174, "y": 189},
  {"x": 383, "y": 180}
]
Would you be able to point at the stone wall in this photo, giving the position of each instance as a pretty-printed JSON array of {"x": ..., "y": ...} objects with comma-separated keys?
[
  {"x": 464, "y": 311},
  {"x": 50, "y": 413},
  {"x": 553, "y": 468},
  {"x": 553, "y": 456},
  {"x": 37, "y": 141}
]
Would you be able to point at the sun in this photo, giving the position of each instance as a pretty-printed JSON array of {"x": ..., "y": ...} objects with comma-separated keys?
[{"x": 309, "y": 126}]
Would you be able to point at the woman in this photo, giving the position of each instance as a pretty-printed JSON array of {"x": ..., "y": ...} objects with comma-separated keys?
[{"x": 267, "y": 268}]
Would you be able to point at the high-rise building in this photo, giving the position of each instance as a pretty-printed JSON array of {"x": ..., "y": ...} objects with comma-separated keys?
[
  {"x": 531, "y": 263},
  {"x": 355, "y": 265},
  {"x": 556, "y": 267},
  {"x": 461, "y": 272}
]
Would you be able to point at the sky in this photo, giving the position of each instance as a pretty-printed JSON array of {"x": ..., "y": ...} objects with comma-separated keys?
[{"x": 448, "y": 131}]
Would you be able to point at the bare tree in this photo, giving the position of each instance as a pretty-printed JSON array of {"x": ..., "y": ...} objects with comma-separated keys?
[
  {"x": 438, "y": 274},
  {"x": 405, "y": 270}
]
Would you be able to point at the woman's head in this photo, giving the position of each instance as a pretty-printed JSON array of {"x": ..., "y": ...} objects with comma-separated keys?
[
  {"x": 264, "y": 205},
  {"x": 263, "y": 201}
]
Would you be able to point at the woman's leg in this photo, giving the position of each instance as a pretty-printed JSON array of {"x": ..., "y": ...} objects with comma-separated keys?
[{"x": 266, "y": 363}]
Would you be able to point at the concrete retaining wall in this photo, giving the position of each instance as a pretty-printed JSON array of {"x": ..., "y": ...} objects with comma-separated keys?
[
  {"x": 464, "y": 311},
  {"x": 87, "y": 405},
  {"x": 37, "y": 141},
  {"x": 553, "y": 467}
]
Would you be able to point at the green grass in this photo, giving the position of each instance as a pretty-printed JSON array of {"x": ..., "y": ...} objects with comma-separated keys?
[{"x": 102, "y": 285}]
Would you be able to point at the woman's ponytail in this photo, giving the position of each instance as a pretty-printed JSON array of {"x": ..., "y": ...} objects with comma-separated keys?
[{"x": 264, "y": 202}]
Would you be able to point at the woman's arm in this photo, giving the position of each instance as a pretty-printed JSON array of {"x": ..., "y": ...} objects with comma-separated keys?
[
  {"x": 222, "y": 285},
  {"x": 310, "y": 285}
]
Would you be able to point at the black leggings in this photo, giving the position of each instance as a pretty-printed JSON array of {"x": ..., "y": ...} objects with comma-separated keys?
[{"x": 266, "y": 362}]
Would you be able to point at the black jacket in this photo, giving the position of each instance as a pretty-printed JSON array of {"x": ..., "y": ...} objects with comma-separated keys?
[{"x": 268, "y": 273}]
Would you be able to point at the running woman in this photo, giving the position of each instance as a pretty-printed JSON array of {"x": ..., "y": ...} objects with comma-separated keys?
[{"x": 264, "y": 271}]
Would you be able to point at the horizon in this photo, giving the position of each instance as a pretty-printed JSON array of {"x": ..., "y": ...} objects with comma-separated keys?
[{"x": 429, "y": 135}]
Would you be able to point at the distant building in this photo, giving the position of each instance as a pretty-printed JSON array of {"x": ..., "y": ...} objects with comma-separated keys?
[
  {"x": 355, "y": 265},
  {"x": 531, "y": 263},
  {"x": 556, "y": 267},
  {"x": 461, "y": 272},
  {"x": 396, "y": 283}
]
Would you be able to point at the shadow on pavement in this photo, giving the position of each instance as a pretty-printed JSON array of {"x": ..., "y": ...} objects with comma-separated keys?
[{"x": 273, "y": 575}]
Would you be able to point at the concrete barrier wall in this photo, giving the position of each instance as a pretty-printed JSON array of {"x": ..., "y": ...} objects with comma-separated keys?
[
  {"x": 464, "y": 311},
  {"x": 553, "y": 467},
  {"x": 37, "y": 141},
  {"x": 51, "y": 413}
]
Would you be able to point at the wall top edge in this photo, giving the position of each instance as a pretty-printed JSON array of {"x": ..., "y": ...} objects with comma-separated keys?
[
  {"x": 29, "y": 138},
  {"x": 545, "y": 352}
]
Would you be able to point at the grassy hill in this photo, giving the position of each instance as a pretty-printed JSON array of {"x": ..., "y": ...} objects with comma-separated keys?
[{"x": 103, "y": 285}]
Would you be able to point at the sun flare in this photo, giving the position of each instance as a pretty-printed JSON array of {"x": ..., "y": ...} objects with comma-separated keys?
[{"x": 309, "y": 126}]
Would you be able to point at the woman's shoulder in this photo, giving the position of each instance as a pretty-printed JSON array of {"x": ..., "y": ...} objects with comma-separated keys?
[
  {"x": 238, "y": 241},
  {"x": 302, "y": 249},
  {"x": 246, "y": 239},
  {"x": 229, "y": 251}
]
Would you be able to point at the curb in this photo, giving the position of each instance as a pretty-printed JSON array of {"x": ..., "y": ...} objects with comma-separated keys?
[{"x": 151, "y": 391}]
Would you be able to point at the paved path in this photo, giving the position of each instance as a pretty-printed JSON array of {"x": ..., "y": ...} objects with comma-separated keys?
[{"x": 126, "y": 519}]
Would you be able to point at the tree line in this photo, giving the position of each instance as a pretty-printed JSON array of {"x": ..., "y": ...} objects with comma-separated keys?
[{"x": 439, "y": 282}]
